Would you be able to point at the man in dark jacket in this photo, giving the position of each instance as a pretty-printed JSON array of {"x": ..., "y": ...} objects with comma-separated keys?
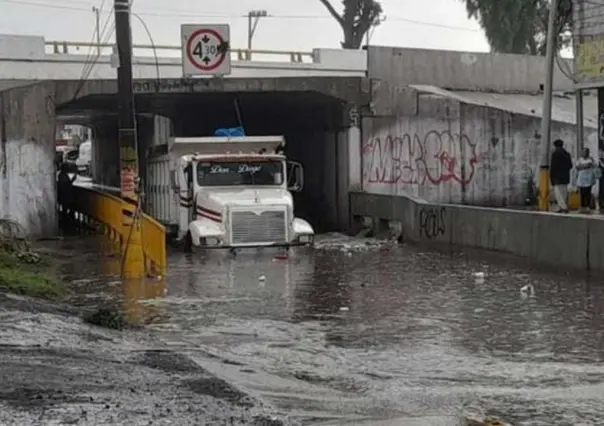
[
  {"x": 65, "y": 194},
  {"x": 559, "y": 174}
]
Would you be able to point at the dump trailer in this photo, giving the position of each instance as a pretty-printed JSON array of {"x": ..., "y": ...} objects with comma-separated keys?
[{"x": 227, "y": 192}]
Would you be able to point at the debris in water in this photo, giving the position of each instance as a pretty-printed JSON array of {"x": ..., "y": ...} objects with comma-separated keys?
[
  {"x": 527, "y": 290},
  {"x": 479, "y": 277},
  {"x": 485, "y": 421}
]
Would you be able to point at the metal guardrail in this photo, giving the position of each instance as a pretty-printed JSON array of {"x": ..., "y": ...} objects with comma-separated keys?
[
  {"x": 73, "y": 48},
  {"x": 104, "y": 212}
]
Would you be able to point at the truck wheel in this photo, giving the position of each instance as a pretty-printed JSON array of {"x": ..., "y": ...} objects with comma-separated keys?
[{"x": 188, "y": 243}]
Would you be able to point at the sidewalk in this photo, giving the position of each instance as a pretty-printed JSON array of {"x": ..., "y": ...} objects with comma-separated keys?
[{"x": 593, "y": 214}]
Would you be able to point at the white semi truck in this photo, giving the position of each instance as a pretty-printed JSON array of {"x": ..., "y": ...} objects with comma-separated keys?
[{"x": 227, "y": 192}]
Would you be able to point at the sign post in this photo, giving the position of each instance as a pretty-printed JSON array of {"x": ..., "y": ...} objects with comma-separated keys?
[{"x": 206, "y": 50}]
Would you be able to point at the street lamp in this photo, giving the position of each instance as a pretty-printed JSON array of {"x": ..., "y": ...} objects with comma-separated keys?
[{"x": 253, "y": 17}]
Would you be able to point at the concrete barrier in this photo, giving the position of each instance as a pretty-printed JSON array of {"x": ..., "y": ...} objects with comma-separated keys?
[{"x": 547, "y": 238}]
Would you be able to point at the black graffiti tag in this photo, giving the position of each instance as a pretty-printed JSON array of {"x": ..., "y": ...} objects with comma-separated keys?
[{"x": 432, "y": 222}]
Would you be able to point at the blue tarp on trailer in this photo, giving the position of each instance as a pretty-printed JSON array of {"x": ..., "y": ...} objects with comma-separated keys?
[{"x": 230, "y": 131}]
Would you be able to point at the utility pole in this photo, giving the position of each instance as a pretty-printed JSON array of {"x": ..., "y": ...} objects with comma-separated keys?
[
  {"x": 546, "y": 121},
  {"x": 579, "y": 92},
  {"x": 98, "y": 28},
  {"x": 133, "y": 264},
  {"x": 253, "y": 17}
]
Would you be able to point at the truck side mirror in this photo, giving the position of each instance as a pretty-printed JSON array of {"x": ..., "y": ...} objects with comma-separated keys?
[
  {"x": 295, "y": 176},
  {"x": 174, "y": 181}
]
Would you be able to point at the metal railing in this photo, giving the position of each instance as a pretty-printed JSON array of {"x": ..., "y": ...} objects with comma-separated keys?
[
  {"x": 83, "y": 48},
  {"x": 103, "y": 212}
]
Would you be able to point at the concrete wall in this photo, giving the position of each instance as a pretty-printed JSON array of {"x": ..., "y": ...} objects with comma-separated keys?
[
  {"x": 27, "y": 151},
  {"x": 546, "y": 238},
  {"x": 316, "y": 150},
  {"x": 450, "y": 152},
  {"x": 588, "y": 40},
  {"x": 461, "y": 70}
]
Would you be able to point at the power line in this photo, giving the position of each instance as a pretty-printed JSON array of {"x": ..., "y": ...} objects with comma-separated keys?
[
  {"x": 90, "y": 60},
  {"x": 142, "y": 21},
  {"x": 187, "y": 14}
]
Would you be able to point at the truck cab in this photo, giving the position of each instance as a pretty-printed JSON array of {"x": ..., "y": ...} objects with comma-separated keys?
[{"x": 236, "y": 193}]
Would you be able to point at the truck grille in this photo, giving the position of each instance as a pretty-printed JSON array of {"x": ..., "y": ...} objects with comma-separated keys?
[{"x": 248, "y": 227}]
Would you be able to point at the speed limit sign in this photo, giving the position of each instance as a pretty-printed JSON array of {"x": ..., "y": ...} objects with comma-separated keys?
[{"x": 205, "y": 50}]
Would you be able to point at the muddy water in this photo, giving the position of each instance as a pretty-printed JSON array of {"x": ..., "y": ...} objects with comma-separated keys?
[{"x": 349, "y": 337}]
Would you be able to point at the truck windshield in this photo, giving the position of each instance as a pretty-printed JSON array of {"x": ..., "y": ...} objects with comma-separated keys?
[{"x": 239, "y": 173}]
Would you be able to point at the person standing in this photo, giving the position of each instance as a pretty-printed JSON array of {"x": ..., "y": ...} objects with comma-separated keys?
[
  {"x": 587, "y": 175},
  {"x": 559, "y": 174},
  {"x": 65, "y": 194},
  {"x": 601, "y": 183}
]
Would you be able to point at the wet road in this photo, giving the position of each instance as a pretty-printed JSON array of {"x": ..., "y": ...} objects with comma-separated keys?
[{"x": 340, "y": 337}]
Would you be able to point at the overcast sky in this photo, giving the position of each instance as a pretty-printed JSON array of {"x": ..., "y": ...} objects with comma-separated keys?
[{"x": 295, "y": 24}]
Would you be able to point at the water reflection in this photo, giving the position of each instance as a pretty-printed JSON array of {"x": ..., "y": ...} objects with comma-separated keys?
[
  {"x": 136, "y": 297},
  {"x": 325, "y": 291},
  {"x": 242, "y": 281}
]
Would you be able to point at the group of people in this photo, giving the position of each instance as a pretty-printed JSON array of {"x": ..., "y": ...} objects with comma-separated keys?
[{"x": 584, "y": 175}]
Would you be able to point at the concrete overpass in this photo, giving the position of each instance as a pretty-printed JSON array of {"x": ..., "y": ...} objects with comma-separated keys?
[
  {"x": 408, "y": 95},
  {"x": 317, "y": 115},
  {"x": 31, "y": 58}
]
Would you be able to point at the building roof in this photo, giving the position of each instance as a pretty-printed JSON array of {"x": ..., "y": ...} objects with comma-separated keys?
[{"x": 563, "y": 105}]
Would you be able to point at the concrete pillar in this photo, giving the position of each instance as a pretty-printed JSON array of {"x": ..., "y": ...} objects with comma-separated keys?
[
  {"x": 163, "y": 130},
  {"x": 106, "y": 153},
  {"x": 355, "y": 160},
  {"x": 343, "y": 180},
  {"x": 27, "y": 154},
  {"x": 329, "y": 148},
  {"x": 145, "y": 131}
]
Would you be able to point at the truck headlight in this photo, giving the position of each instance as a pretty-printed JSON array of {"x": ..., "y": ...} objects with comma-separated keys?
[
  {"x": 212, "y": 241},
  {"x": 305, "y": 239}
]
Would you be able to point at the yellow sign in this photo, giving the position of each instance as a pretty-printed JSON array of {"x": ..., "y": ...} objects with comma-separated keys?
[
  {"x": 589, "y": 61},
  {"x": 127, "y": 154}
]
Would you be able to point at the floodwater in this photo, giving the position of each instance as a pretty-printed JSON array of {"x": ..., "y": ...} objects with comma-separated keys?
[{"x": 339, "y": 335}]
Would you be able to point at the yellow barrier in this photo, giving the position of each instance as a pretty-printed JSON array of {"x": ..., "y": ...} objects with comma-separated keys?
[
  {"x": 574, "y": 200},
  {"x": 103, "y": 212},
  {"x": 153, "y": 239}
]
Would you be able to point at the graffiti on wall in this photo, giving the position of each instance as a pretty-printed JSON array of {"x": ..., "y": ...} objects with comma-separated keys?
[
  {"x": 435, "y": 157},
  {"x": 432, "y": 222}
]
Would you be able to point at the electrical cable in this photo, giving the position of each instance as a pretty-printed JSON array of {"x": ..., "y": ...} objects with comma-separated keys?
[
  {"x": 94, "y": 33},
  {"x": 89, "y": 65},
  {"x": 189, "y": 14},
  {"x": 564, "y": 69},
  {"x": 152, "y": 44}
]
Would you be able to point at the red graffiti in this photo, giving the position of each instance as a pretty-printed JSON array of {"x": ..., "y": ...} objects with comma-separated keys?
[{"x": 408, "y": 159}]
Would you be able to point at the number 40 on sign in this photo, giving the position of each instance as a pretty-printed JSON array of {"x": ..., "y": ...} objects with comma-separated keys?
[{"x": 205, "y": 50}]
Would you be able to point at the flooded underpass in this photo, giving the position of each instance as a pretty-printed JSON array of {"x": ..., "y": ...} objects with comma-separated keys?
[{"x": 357, "y": 333}]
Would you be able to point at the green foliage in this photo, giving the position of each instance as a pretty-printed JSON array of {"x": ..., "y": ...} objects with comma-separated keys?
[
  {"x": 356, "y": 20},
  {"x": 520, "y": 26},
  {"x": 108, "y": 318},
  {"x": 22, "y": 270}
]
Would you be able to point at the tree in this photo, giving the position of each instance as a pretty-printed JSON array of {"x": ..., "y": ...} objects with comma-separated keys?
[
  {"x": 356, "y": 20},
  {"x": 520, "y": 26}
]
